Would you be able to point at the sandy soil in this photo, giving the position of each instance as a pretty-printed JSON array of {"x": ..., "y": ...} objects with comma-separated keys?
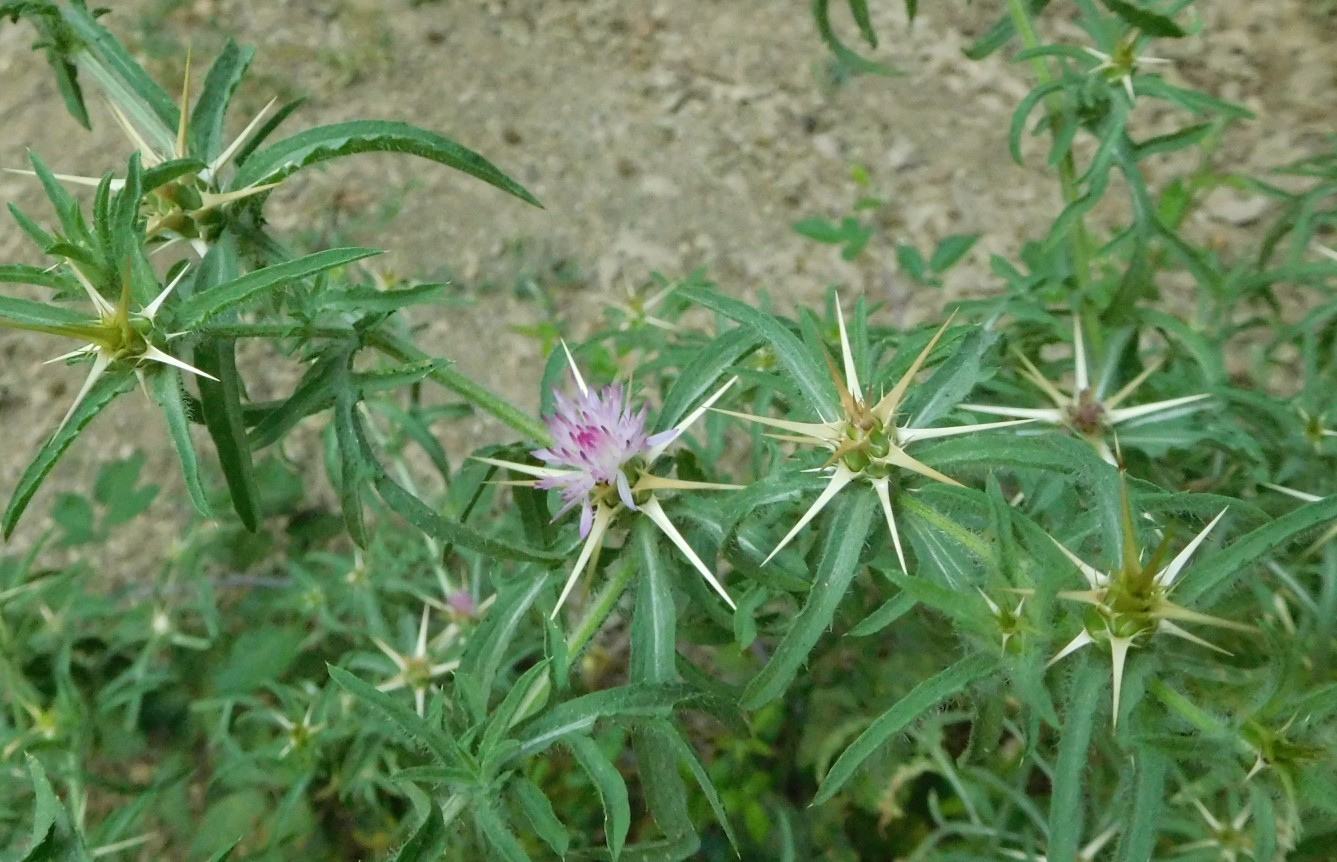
[{"x": 660, "y": 136}]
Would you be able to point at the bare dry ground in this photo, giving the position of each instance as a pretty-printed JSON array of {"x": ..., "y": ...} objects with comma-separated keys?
[{"x": 661, "y": 136}]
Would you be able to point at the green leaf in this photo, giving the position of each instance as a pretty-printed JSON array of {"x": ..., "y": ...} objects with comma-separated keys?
[
  {"x": 167, "y": 393},
  {"x": 428, "y": 842},
  {"x": 54, "y": 837},
  {"x": 845, "y": 536},
  {"x": 812, "y": 377},
  {"x": 205, "y": 304},
  {"x": 951, "y": 250},
  {"x": 665, "y": 791},
  {"x": 506, "y": 713},
  {"x": 612, "y": 790},
  {"x": 162, "y": 174},
  {"x": 396, "y": 377},
  {"x": 107, "y": 387},
  {"x": 1067, "y": 803},
  {"x": 353, "y": 470},
  {"x": 499, "y": 836},
  {"x": 887, "y": 613},
  {"x": 701, "y": 376},
  {"x": 1144, "y": 19},
  {"x": 258, "y": 659},
  {"x": 17, "y": 273},
  {"x": 25, "y": 314},
  {"x": 313, "y": 393},
  {"x": 538, "y": 810},
  {"x": 852, "y": 61},
  {"x": 220, "y": 407},
  {"x": 206, "y": 121},
  {"x": 123, "y": 80},
  {"x": 312, "y": 146},
  {"x": 917, "y": 702},
  {"x": 46, "y": 807},
  {"x": 486, "y": 649},
  {"x": 370, "y": 300},
  {"x": 686, "y": 754},
  {"x": 445, "y": 750},
  {"x": 820, "y": 229},
  {"x": 67, "y": 209},
  {"x": 226, "y": 853},
  {"x": 1233, "y": 561},
  {"x": 429, "y": 521},
  {"x": 579, "y": 715},
  {"x": 1137, "y": 841},
  {"x": 655, "y": 622}
]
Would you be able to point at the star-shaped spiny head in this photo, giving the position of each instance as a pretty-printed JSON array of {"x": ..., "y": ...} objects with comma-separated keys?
[
  {"x": 1132, "y": 603},
  {"x": 1121, "y": 64},
  {"x": 1086, "y": 410},
  {"x": 866, "y": 440},
  {"x": 417, "y": 670},
  {"x": 600, "y": 459},
  {"x": 116, "y": 335},
  {"x": 185, "y": 207}
]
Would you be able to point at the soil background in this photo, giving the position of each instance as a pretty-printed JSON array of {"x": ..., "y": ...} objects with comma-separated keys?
[{"x": 660, "y": 136}]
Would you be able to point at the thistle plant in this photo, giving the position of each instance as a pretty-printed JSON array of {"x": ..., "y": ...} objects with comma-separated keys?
[{"x": 377, "y": 652}]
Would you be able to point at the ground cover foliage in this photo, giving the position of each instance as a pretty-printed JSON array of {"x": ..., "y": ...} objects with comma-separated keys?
[{"x": 1049, "y": 577}]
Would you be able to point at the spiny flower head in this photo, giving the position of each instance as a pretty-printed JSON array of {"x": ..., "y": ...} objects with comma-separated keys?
[
  {"x": 116, "y": 335},
  {"x": 600, "y": 459},
  {"x": 1086, "y": 410},
  {"x": 187, "y": 206},
  {"x": 866, "y": 441},
  {"x": 597, "y": 438},
  {"x": 1132, "y": 603},
  {"x": 1122, "y": 63}
]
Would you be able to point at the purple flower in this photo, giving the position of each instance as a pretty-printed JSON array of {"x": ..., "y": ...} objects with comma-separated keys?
[
  {"x": 600, "y": 458},
  {"x": 597, "y": 439}
]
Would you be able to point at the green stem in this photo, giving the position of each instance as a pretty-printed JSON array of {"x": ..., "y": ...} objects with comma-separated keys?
[
  {"x": 1067, "y": 168},
  {"x": 583, "y": 633},
  {"x": 405, "y": 351}
]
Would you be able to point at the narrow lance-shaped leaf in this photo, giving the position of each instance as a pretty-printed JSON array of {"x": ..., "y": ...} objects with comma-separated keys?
[
  {"x": 428, "y": 842},
  {"x": 1138, "y": 840},
  {"x": 499, "y": 836},
  {"x": 654, "y": 626},
  {"x": 25, "y": 314},
  {"x": 445, "y": 750},
  {"x": 845, "y": 537},
  {"x": 665, "y": 791},
  {"x": 538, "y": 810},
  {"x": 809, "y": 374},
  {"x": 198, "y": 309},
  {"x": 610, "y": 786},
  {"x": 917, "y": 702},
  {"x": 103, "y": 391},
  {"x": 579, "y": 715},
  {"x": 220, "y": 406},
  {"x": 285, "y": 157},
  {"x": 124, "y": 81},
  {"x": 206, "y": 121},
  {"x": 353, "y": 473},
  {"x": 167, "y": 392},
  {"x": 1067, "y": 804},
  {"x": 18, "y": 273}
]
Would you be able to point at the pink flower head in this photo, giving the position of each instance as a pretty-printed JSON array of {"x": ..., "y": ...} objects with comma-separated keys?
[
  {"x": 600, "y": 457},
  {"x": 596, "y": 438}
]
